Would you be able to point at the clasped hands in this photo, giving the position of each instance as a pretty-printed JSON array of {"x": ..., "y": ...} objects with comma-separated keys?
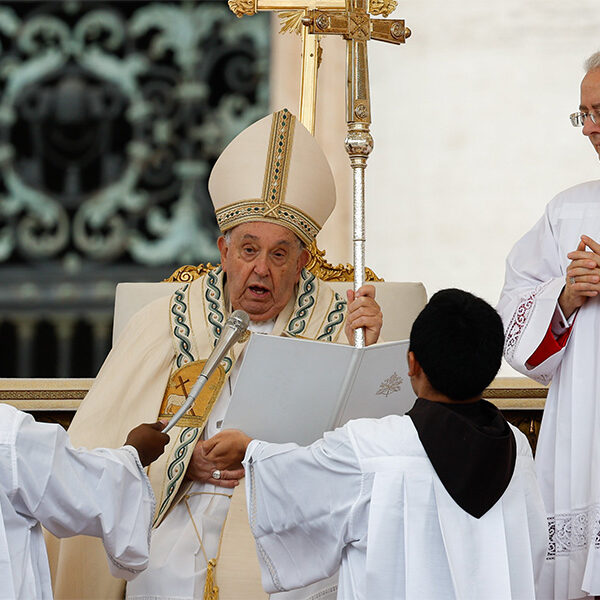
[
  {"x": 223, "y": 453},
  {"x": 583, "y": 276}
]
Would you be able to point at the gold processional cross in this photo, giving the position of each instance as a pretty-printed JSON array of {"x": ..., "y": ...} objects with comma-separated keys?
[{"x": 352, "y": 20}]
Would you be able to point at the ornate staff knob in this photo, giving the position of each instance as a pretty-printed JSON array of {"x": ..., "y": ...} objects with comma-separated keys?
[{"x": 359, "y": 142}]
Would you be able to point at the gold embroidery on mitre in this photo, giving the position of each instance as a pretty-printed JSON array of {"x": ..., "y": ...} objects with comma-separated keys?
[
  {"x": 180, "y": 385},
  {"x": 271, "y": 207},
  {"x": 254, "y": 210},
  {"x": 278, "y": 160}
]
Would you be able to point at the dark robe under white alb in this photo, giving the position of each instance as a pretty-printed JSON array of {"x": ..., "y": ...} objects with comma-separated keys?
[{"x": 367, "y": 499}]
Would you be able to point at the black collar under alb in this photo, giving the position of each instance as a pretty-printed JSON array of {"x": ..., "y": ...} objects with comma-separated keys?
[{"x": 471, "y": 448}]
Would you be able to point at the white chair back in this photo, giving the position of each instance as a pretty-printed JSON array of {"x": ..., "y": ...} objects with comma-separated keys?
[{"x": 400, "y": 303}]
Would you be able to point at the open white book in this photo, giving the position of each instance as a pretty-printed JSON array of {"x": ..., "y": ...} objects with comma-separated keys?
[{"x": 292, "y": 390}]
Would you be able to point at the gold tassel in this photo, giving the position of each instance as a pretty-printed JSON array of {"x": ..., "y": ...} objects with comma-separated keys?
[{"x": 211, "y": 591}]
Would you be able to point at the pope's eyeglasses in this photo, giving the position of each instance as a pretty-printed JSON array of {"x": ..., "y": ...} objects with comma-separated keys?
[{"x": 578, "y": 118}]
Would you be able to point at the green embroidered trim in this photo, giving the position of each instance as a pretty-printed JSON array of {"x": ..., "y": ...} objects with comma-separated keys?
[
  {"x": 213, "y": 296},
  {"x": 216, "y": 313},
  {"x": 177, "y": 467},
  {"x": 181, "y": 329},
  {"x": 334, "y": 319},
  {"x": 304, "y": 302}
]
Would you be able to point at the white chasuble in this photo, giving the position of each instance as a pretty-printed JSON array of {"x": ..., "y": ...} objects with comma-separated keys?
[
  {"x": 190, "y": 533},
  {"x": 130, "y": 389},
  {"x": 367, "y": 497},
  {"x": 43, "y": 479},
  {"x": 568, "y": 451}
]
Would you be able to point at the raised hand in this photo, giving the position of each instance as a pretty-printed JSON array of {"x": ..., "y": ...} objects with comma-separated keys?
[{"x": 363, "y": 311}]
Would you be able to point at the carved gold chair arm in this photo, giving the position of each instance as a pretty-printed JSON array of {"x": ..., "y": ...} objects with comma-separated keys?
[
  {"x": 317, "y": 265},
  {"x": 188, "y": 273}
]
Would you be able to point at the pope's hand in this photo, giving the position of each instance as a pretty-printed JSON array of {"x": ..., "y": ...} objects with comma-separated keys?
[
  {"x": 227, "y": 449},
  {"x": 363, "y": 311},
  {"x": 582, "y": 280},
  {"x": 201, "y": 469}
]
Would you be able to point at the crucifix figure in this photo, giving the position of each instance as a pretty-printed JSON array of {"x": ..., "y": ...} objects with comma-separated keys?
[{"x": 352, "y": 20}]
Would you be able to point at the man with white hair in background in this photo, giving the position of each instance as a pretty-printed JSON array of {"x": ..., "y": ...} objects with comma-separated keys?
[
  {"x": 551, "y": 313},
  {"x": 272, "y": 189}
]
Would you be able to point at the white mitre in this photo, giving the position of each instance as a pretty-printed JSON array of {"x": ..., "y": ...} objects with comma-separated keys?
[{"x": 274, "y": 171}]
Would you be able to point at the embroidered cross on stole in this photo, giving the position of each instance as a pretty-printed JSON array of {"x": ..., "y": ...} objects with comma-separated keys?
[{"x": 186, "y": 368}]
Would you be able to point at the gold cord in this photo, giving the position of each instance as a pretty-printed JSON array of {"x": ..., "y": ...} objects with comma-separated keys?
[{"x": 211, "y": 590}]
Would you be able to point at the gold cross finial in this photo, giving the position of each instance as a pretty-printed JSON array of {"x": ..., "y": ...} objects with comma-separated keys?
[
  {"x": 352, "y": 20},
  {"x": 348, "y": 18}
]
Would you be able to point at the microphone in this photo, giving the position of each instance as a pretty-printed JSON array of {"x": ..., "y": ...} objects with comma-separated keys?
[{"x": 234, "y": 328}]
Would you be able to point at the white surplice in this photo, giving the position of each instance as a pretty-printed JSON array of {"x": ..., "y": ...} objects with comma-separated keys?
[
  {"x": 43, "y": 479},
  {"x": 366, "y": 497},
  {"x": 568, "y": 451}
]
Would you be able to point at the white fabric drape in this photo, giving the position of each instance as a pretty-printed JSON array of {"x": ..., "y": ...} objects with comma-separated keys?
[
  {"x": 568, "y": 452},
  {"x": 178, "y": 564},
  {"x": 366, "y": 496},
  {"x": 43, "y": 479}
]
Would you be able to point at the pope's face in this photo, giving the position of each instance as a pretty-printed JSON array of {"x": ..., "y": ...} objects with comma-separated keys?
[
  {"x": 263, "y": 262},
  {"x": 590, "y": 101}
]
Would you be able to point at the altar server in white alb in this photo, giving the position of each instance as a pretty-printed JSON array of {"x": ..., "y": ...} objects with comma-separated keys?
[
  {"x": 102, "y": 493},
  {"x": 439, "y": 503},
  {"x": 551, "y": 313}
]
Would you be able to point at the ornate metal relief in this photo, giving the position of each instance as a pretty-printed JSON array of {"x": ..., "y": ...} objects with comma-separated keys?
[
  {"x": 111, "y": 115},
  {"x": 383, "y": 7},
  {"x": 326, "y": 271},
  {"x": 291, "y": 21},
  {"x": 188, "y": 273}
]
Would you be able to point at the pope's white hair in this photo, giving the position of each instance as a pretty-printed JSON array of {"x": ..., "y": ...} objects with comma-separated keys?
[{"x": 593, "y": 62}]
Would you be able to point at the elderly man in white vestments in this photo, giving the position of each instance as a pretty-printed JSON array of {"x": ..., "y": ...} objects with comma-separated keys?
[
  {"x": 272, "y": 189},
  {"x": 439, "y": 504},
  {"x": 551, "y": 314},
  {"x": 103, "y": 493}
]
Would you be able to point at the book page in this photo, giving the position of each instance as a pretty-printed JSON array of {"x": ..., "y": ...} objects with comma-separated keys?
[
  {"x": 287, "y": 389},
  {"x": 381, "y": 386},
  {"x": 293, "y": 390}
]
